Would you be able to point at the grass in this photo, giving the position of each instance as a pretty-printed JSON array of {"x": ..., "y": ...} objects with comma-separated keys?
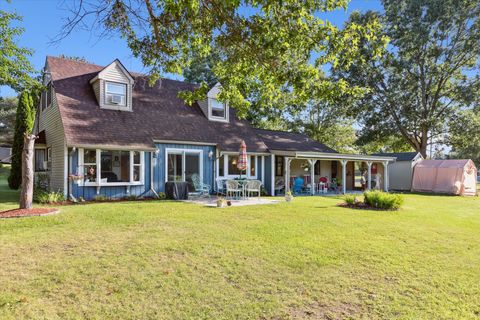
[
  {"x": 306, "y": 259},
  {"x": 8, "y": 198}
]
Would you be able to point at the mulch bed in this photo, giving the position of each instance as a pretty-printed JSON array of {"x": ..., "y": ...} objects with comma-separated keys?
[{"x": 19, "y": 213}]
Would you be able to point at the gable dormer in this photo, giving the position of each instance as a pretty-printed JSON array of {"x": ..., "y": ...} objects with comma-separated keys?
[
  {"x": 216, "y": 109},
  {"x": 113, "y": 87}
]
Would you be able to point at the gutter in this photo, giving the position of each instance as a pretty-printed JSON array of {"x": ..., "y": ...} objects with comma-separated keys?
[{"x": 340, "y": 156}]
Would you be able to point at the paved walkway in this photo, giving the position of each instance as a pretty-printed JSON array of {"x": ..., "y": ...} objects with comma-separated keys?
[{"x": 212, "y": 201}]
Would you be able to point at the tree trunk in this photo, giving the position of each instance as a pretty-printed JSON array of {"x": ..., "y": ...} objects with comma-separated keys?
[{"x": 26, "y": 196}]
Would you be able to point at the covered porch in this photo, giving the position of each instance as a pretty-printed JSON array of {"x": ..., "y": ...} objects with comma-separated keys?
[{"x": 305, "y": 173}]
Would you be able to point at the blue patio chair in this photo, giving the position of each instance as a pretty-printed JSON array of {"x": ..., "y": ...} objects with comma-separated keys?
[{"x": 298, "y": 185}]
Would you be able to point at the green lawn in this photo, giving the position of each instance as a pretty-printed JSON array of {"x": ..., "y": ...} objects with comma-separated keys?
[
  {"x": 307, "y": 259},
  {"x": 8, "y": 198}
]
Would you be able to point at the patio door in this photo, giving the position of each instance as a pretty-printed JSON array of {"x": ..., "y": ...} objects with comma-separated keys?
[{"x": 184, "y": 165}]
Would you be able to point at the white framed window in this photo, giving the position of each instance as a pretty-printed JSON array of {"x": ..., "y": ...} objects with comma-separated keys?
[
  {"x": 40, "y": 160},
  {"x": 227, "y": 166},
  {"x": 111, "y": 167},
  {"x": 116, "y": 93},
  {"x": 184, "y": 165},
  {"x": 217, "y": 110}
]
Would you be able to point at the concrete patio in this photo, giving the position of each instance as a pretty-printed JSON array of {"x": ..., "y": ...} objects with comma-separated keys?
[{"x": 212, "y": 201}]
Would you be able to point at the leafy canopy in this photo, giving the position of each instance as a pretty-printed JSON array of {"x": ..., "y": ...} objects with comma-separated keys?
[
  {"x": 8, "y": 109},
  {"x": 464, "y": 136},
  {"x": 15, "y": 68},
  {"x": 270, "y": 51},
  {"x": 429, "y": 72}
]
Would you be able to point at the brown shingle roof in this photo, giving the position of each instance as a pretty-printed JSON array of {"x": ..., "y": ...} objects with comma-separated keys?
[
  {"x": 291, "y": 141},
  {"x": 158, "y": 113}
]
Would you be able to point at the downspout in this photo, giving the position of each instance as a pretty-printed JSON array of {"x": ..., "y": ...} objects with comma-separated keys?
[{"x": 152, "y": 189}]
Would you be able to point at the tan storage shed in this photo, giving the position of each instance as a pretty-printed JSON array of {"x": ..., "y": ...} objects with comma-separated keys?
[
  {"x": 446, "y": 176},
  {"x": 400, "y": 172}
]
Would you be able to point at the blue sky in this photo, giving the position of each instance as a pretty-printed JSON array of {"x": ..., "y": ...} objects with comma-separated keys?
[{"x": 42, "y": 20}]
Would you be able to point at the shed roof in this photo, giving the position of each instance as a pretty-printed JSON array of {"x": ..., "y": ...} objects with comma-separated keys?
[{"x": 401, "y": 156}]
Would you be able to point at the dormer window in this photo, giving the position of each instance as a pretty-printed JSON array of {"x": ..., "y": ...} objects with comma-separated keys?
[
  {"x": 116, "y": 93},
  {"x": 215, "y": 109},
  {"x": 113, "y": 87},
  {"x": 218, "y": 109}
]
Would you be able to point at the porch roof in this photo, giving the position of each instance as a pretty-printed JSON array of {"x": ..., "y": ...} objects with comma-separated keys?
[{"x": 342, "y": 156}]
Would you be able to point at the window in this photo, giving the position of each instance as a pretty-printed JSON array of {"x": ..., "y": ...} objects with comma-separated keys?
[
  {"x": 253, "y": 166},
  {"x": 43, "y": 104},
  {"x": 115, "y": 167},
  {"x": 221, "y": 166},
  {"x": 279, "y": 160},
  {"x": 137, "y": 166},
  {"x": 232, "y": 165},
  {"x": 218, "y": 108},
  {"x": 40, "y": 159},
  {"x": 116, "y": 93},
  {"x": 49, "y": 94},
  {"x": 90, "y": 165},
  {"x": 184, "y": 165}
]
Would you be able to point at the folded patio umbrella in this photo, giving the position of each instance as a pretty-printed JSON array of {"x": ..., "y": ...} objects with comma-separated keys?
[{"x": 242, "y": 158}]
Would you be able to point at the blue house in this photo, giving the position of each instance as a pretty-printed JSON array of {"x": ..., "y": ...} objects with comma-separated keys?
[{"x": 103, "y": 130}]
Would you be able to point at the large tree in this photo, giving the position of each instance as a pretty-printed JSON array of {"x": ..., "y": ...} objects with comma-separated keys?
[
  {"x": 15, "y": 68},
  {"x": 429, "y": 72},
  {"x": 325, "y": 122},
  {"x": 464, "y": 136},
  {"x": 23, "y": 125},
  {"x": 272, "y": 52},
  {"x": 8, "y": 109}
]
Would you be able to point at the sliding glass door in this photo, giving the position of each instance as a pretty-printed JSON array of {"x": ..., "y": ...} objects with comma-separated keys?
[{"x": 184, "y": 165}]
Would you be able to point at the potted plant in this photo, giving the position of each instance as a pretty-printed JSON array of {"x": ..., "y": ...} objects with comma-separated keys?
[
  {"x": 76, "y": 178},
  {"x": 221, "y": 203},
  {"x": 288, "y": 196}
]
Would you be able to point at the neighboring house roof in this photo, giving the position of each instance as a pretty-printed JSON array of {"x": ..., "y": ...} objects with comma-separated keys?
[
  {"x": 5, "y": 154},
  {"x": 401, "y": 156},
  {"x": 291, "y": 141},
  {"x": 158, "y": 113}
]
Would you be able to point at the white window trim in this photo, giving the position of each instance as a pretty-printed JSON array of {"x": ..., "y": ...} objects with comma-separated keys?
[
  {"x": 110, "y": 106},
  {"x": 219, "y": 119},
  {"x": 233, "y": 176},
  {"x": 183, "y": 152},
  {"x": 98, "y": 183}
]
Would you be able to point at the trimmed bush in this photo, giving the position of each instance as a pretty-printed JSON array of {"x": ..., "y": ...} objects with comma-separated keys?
[
  {"x": 351, "y": 200},
  {"x": 382, "y": 200},
  {"x": 45, "y": 197}
]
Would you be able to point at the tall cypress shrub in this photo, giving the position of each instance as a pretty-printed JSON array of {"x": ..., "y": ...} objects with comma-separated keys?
[{"x": 23, "y": 123}]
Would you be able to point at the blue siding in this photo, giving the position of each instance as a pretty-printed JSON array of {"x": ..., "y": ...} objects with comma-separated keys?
[
  {"x": 113, "y": 192},
  {"x": 159, "y": 170},
  {"x": 268, "y": 174}
]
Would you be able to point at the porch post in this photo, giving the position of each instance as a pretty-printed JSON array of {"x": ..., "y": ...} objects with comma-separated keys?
[
  {"x": 369, "y": 176},
  {"x": 385, "y": 176},
  {"x": 272, "y": 175},
  {"x": 312, "y": 175},
  {"x": 344, "y": 176},
  {"x": 287, "y": 174}
]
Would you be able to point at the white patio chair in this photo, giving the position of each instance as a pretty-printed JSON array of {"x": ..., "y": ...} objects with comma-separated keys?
[
  {"x": 220, "y": 186},
  {"x": 233, "y": 188},
  {"x": 253, "y": 186},
  {"x": 279, "y": 185}
]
